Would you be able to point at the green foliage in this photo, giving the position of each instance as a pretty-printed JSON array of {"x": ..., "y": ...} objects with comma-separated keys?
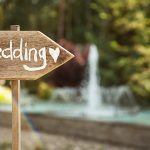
[
  {"x": 31, "y": 15},
  {"x": 1, "y": 17},
  {"x": 44, "y": 90},
  {"x": 121, "y": 29}
]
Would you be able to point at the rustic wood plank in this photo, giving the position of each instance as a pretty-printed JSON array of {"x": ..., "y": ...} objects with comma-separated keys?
[
  {"x": 11, "y": 68},
  {"x": 16, "y": 120}
]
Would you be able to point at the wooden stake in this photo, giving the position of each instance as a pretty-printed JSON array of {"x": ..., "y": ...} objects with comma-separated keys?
[{"x": 16, "y": 120}]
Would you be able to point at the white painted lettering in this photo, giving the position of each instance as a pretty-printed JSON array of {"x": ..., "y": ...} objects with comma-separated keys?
[{"x": 23, "y": 53}]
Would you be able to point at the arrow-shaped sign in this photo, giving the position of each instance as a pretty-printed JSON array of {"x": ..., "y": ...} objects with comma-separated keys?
[{"x": 28, "y": 55}]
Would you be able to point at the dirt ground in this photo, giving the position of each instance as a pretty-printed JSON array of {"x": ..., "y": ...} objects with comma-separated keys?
[{"x": 41, "y": 141}]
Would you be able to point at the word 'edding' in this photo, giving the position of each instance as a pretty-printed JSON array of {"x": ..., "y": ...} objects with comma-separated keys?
[{"x": 28, "y": 54}]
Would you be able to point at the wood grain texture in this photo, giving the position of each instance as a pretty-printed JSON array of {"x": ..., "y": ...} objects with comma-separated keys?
[
  {"x": 16, "y": 120},
  {"x": 13, "y": 69}
]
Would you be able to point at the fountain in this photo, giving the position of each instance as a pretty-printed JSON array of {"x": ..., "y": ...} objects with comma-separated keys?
[
  {"x": 103, "y": 101},
  {"x": 93, "y": 92},
  {"x": 93, "y": 96}
]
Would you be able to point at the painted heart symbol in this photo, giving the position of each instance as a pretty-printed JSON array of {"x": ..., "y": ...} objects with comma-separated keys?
[{"x": 54, "y": 53}]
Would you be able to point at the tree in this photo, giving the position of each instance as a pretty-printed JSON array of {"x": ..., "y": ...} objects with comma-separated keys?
[{"x": 123, "y": 29}]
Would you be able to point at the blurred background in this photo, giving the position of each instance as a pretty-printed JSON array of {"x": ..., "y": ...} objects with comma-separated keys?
[{"x": 107, "y": 82}]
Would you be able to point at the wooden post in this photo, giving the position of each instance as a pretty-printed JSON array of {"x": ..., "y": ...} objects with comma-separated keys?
[{"x": 16, "y": 120}]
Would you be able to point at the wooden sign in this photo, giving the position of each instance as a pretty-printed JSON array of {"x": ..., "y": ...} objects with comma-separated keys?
[{"x": 28, "y": 55}]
